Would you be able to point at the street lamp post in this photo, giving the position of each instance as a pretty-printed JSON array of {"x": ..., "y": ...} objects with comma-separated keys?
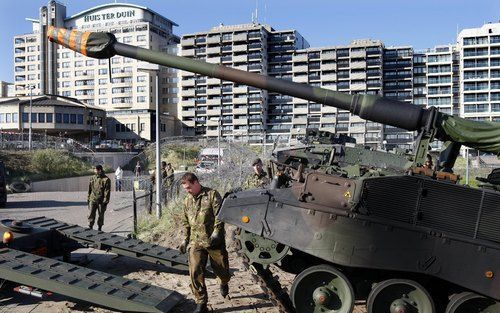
[
  {"x": 30, "y": 143},
  {"x": 147, "y": 67},
  {"x": 219, "y": 122}
]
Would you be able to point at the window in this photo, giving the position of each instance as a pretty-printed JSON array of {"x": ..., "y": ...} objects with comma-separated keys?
[
  {"x": 66, "y": 118},
  {"x": 34, "y": 117},
  {"x": 142, "y": 127},
  {"x": 58, "y": 117},
  {"x": 26, "y": 117},
  {"x": 80, "y": 119},
  {"x": 49, "y": 117},
  {"x": 141, "y": 99},
  {"x": 41, "y": 117},
  {"x": 141, "y": 38},
  {"x": 141, "y": 79}
]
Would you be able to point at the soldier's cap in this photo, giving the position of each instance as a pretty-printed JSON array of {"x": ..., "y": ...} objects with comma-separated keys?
[{"x": 256, "y": 161}]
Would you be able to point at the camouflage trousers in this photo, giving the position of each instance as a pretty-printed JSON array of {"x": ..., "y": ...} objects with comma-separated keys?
[
  {"x": 198, "y": 257},
  {"x": 99, "y": 208}
]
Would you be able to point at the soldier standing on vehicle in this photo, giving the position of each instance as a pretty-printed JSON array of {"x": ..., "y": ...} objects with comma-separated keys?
[
  {"x": 259, "y": 178},
  {"x": 98, "y": 196},
  {"x": 204, "y": 239}
]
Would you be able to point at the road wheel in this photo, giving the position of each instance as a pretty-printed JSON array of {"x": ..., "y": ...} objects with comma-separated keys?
[{"x": 324, "y": 289}]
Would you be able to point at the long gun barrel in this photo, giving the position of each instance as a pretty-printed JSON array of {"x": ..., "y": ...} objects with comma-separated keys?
[{"x": 374, "y": 108}]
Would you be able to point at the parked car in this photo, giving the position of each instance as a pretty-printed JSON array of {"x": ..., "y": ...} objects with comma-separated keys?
[{"x": 206, "y": 167}]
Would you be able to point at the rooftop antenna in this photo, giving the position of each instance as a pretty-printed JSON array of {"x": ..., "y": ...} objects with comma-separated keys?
[
  {"x": 255, "y": 17},
  {"x": 265, "y": 12}
]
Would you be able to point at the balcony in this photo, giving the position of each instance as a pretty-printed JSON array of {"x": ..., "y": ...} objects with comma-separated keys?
[
  {"x": 359, "y": 64},
  {"x": 241, "y": 67},
  {"x": 187, "y": 83},
  {"x": 329, "y": 67},
  {"x": 240, "y": 58},
  {"x": 213, "y": 50},
  {"x": 243, "y": 100},
  {"x": 240, "y": 111},
  {"x": 213, "y": 39},
  {"x": 358, "y": 75},
  {"x": 329, "y": 56},
  {"x": 300, "y": 111},
  {"x": 300, "y": 79},
  {"x": 187, "y": 42},
  {"x": 239, "y": 48},
  {"x": 214, "y": 112},
  {"x": 240, "y": 121},
  {"x": 300, "y": 120},
  {"x": 188, "y": 93},
  {"x": 214, "y": 102},
  {"x": 213, "y": 91},
  {"x": 188, "y": 53},
  {"x": 213, "y": 81},
  {"x": 358, "y": 54},
  {"x": 240, "y": 89},
  {"x": 240, "y": 37},
  {"x": 299, "y": 58},
  {"x": 215, "y": 60},
  {"x": 300, "y": 68}
]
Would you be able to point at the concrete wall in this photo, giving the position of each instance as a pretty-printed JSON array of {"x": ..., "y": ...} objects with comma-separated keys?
[
  {"x": 111, "y": 159},
  {"x": 67, "y": 184}
]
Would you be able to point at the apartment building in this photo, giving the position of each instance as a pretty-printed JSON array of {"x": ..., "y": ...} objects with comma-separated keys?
[
  {"x": 479, "y": 50},
  {"x": 353, "y": 68},
  {"x": 209, "y": 105},
  {"x": 127, "y": 93}
]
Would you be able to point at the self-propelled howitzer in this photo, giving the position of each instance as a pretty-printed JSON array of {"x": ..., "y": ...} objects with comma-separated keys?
[
  {"x": 429, "y": 122},
  {"x": 414, "y": 241}
]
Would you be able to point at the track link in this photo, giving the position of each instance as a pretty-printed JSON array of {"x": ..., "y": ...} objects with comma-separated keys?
[{"x": 265, "y": 278}]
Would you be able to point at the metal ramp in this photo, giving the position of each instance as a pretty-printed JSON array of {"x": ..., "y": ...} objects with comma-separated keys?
[
  {"x": 114, "y": 243},
  {"x": 84, "y": 284}
]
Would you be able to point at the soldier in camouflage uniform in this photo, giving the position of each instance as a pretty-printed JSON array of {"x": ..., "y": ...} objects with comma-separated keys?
[
  {"x": 259, "y": 178},
  {"x": 169, "y": 175},
  {"x": 98, "y": 196},
  {"x": 204, "y": 239}
]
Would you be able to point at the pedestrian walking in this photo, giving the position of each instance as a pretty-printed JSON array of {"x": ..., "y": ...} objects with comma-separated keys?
[
  {"x": 138, "y": 169},
  {"x": 118, "y": 178}
]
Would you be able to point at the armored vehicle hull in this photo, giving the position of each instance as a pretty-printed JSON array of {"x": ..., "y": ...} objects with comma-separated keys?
[{"x": 376, "y": 229}]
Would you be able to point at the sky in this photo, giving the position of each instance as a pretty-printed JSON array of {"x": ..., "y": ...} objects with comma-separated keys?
[{"x": 418, "y": 23}]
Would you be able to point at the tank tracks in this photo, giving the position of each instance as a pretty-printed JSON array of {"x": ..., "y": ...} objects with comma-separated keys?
[{"x": 263, "y": 276}]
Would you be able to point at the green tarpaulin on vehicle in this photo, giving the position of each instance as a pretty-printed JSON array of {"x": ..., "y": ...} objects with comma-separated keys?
[{"x": 481, "y": 135}]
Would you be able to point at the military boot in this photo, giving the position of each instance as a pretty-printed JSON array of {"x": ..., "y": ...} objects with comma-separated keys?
[
  {"x": 224, "y": 290},
  {"x": 201, "y": 308}
]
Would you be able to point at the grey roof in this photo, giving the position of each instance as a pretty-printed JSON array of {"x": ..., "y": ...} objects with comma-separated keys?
[{"x": 50, "y": 100}]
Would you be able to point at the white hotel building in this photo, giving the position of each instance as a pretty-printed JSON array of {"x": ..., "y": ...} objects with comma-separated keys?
[{"x": 129, "y": 98}]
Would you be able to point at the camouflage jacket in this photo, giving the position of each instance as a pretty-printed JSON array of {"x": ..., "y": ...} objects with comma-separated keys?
[
  {"x": 257, "y": 181},
  {"x": 169, "y": 176},
  {"x": 99, "y": 189},
  {"x": 199, "y": 218}
]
